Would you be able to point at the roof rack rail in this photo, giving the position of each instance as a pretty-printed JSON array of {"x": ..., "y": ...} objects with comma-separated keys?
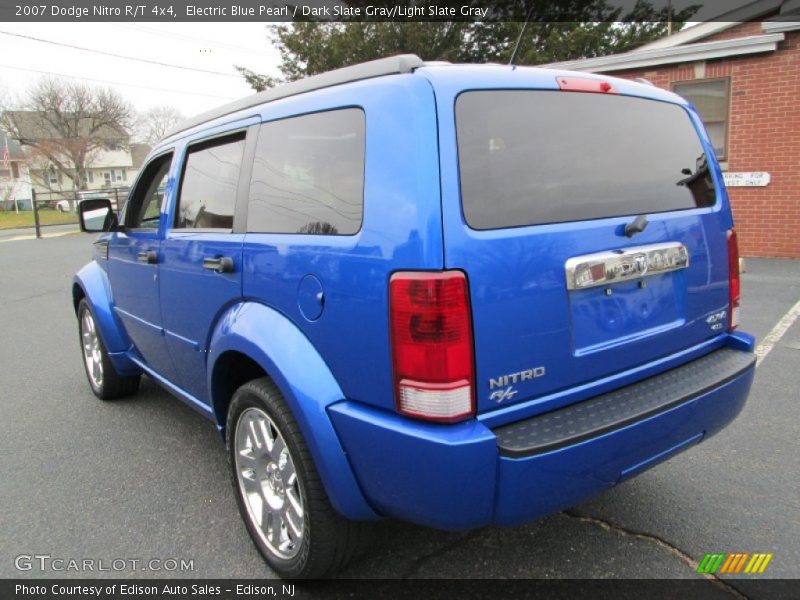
[{"x": 402, "y": 63}]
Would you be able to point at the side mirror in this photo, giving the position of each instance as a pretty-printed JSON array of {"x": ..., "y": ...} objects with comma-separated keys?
[{"x": 96, "y": 215}]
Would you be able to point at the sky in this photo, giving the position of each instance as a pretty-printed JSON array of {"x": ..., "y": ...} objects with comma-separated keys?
[{"x": 206, "y": 46}]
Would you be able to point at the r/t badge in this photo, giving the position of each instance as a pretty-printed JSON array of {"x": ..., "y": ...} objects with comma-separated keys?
[{"x": 502, "y": 395}]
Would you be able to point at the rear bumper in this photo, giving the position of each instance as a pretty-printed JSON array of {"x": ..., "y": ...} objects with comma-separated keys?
[{"x": 465, "y": 475}]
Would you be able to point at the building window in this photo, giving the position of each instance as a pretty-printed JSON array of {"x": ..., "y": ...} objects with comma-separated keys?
[
  {"x": 53, "y": 176},
  {"x": 88, "y": 177},
  {"x": 106, "y": 178},
  {"x": 14, "y": 170},
  {"x": 119, "y": 175},
  {"x": 711, "y": 98}
]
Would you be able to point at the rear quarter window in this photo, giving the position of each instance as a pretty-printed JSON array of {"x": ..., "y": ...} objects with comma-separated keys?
[
  {"x": 536, "y": 157},
  {"x": 308, "y": 175}
]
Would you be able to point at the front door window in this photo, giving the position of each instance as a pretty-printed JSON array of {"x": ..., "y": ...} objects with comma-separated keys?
[{"x": 145, "y": 208}]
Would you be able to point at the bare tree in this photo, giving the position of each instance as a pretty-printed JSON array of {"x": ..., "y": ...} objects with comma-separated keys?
[
  {"x": 6, "y": 193},
  {"x": 153, "y": 124},
  {"x": 5, "y": 94},
  {"x": 64, "y": 125}
]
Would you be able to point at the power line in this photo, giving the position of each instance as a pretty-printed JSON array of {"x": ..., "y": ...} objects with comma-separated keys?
[
  {"x": 146, "y": 87},
  {"x": 115, "y": 55},
  {"x": 190, "y": 38}
]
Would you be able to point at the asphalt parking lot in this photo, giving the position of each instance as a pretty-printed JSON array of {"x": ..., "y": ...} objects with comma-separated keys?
[{"x": 147, "y": 477}]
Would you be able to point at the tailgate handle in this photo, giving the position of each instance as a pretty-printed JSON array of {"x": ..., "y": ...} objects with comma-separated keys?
[
  {"x": 638, "y": 225},
  {"x": 603, "y": 268}
]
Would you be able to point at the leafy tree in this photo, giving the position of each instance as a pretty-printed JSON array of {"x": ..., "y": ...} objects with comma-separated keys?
[
  {"x": 309, "y": 48},
  {"x": 556, "y": 31}
]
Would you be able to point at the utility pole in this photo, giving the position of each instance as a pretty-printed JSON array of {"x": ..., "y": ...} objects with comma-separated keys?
[
  {"x": 669, "y": 17},
  {"x": 35, "y": 214}
]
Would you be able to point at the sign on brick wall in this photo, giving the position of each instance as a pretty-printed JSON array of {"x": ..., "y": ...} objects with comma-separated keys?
[{"x": 752, "y": 179}]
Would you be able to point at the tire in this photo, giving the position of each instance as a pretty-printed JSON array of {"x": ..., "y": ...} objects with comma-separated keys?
[
  {"x": 258, "y": 418},
  {"x": 103, "y": 379}
]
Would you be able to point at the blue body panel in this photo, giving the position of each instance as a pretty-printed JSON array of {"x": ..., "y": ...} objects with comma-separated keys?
[
  {"x": 136, "y": 284},
  {"x": 452, "y": 477},
  {"x": 312, "y": 312},
  {"x": 531, "y": 488},
  {"x": 306, "y": 383},
  {"x": 194, "y": 298},
  {"x": 436, "y": 475},
  {"x": 525, "y": 317},
  {"x": 199, "y": 298},
  {"x": 401, "y": 229},
  {"x": 136, "y": 290}
]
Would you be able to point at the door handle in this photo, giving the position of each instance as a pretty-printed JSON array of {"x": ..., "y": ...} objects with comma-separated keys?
[
  {"x": 220, "y": 264},
  {"x": 149, "y": 257}
]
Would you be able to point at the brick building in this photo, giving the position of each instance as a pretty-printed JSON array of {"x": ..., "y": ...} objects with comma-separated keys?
[{"x": 742, "y": 72}]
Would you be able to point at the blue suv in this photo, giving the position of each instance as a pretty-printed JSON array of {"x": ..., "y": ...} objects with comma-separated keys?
[{"x": 452, "y": 295}]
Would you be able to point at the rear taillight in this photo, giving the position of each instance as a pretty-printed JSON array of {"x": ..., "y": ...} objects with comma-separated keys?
[
  {"x": 432, "y": 345},
  {"x": 734, "y": 281}
]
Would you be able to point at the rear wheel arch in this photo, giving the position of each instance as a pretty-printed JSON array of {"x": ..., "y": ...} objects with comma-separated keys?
[
  {"x": 251, "y": 341},
  {"x": 231, "y": 370}
]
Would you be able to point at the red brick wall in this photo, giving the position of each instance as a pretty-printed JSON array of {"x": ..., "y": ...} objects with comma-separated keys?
[
  {"x": 741, "y": 30},
  {"x": 763, "y": 135}
]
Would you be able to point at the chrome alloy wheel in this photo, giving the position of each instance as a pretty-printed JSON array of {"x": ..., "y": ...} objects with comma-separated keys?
[
  {"x": 92, "y": 354},
  {"x": 269, "y": 483}
]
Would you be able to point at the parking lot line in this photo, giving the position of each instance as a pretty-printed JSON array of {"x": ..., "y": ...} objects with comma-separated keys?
[{"x": 777, "y": 332}]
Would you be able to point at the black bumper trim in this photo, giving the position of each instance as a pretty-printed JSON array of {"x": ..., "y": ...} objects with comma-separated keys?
[{"x": 614, "y": 410}]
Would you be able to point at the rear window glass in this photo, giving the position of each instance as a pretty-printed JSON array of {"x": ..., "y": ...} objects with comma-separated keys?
[
  {"x": 534, "y": 157},
  {"x": 308, "y": 175}
]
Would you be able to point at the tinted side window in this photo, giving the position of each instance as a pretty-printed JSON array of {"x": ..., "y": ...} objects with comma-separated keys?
[
  {"x": 145, "y": 203},
  {"x": 308, "y": 175},
  {"x": 210, "y": 180},
  {"x": 534, "y": 157}
]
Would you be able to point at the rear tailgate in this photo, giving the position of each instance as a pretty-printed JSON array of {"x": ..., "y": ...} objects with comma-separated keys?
[{"x": 561, "y": 296}]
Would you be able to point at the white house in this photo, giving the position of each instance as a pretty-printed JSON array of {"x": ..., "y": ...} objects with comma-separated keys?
[
  {"x": 15, "y": 178},
  {"x": 113, "y": 163}
]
